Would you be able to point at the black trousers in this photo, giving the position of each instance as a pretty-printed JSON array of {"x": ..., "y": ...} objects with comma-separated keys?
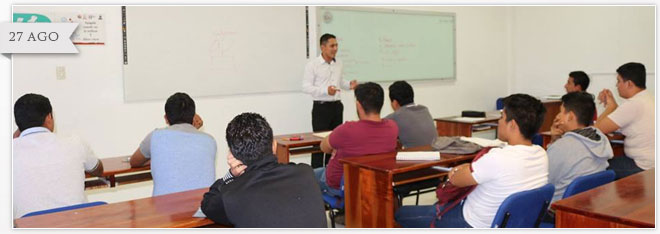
[{"x": 326, "y": 116}]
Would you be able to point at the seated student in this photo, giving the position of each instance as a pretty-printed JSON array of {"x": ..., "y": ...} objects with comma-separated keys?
[
  {"x": 262, "y": 193},
  {"x": 369, "y": 135},
  {"x": 635, "y": 118},
  {"x": 48, "y": 170},
  {"x": 578, "y": 81},
  {"x": 416, "y": 126},
  {"x": 581, "y": 149},
  {"x": 517, "y": 167},
  {"x": 182, "y": 157}
]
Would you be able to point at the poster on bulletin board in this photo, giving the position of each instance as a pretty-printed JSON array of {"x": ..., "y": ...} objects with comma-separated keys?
[{"x": 91, "y": 26}]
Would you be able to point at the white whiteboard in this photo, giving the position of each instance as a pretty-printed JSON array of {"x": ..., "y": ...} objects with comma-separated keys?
[{"x": 213, "y": 50}]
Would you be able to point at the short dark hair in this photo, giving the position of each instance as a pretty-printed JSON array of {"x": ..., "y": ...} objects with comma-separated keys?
[
  {"x": 370, "y": 96},
  {"x": 180, "y": 108},
  {"x": 635, "y": 72},
  {"x": 249, "y": 137},
  {"x": 30, "y": 110},
  {"x": 580, "y": 78},
  {"x": 402, "y": 92},
  {"x": 325, "y": 38},
  {"x": 582, "y": 104},
  {"x": 527, "y": 111}
]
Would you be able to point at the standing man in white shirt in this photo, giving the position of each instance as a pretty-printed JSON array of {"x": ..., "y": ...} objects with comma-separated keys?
[
  {"x": 323, "y": 79},
  {"x": 48, "y": 170},
  {"x": 635, "y": 118}
]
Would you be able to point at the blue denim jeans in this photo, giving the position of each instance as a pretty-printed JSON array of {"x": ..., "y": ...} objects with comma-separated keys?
[
  {"x": 623, "y": 166},
  {"x": 320, "y": 177},
  {"x": 421, "y": 217}
]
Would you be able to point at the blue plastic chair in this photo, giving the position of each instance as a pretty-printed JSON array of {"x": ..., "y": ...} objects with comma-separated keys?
[
  {"x": 524, "y": 209},
  {"x": 499, "y": 103},
  {"x": 73, "y": 207},
  {"x": 334, "y": 203},
  {"x": 588, "y": 182},
  {"x": 584, "y": 183}
]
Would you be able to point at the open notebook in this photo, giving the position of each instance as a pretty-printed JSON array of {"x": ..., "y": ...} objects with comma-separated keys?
[{"x": 322, "y": 134}]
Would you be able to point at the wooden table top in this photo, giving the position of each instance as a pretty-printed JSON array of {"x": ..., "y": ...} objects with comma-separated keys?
[
  {"x": 630, "y": 201},
  {"x": 387, "y": 162},
  {"x": 119, "y": 165},
  {"x": 308, "y": 139},
  {"x": 167, "y": 211}
]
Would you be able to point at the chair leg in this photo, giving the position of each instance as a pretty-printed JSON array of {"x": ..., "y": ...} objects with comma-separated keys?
[
  {"x": 417, "y": 198},
  {"x": 331, "y": 213}
]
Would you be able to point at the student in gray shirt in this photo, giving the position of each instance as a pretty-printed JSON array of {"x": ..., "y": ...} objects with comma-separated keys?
[
  {"x": 416, "y": 127},
  {"x": 578, "y": 149}
]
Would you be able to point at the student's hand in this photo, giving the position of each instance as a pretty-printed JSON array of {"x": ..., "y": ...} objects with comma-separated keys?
[
  {"x": 606, "y": 98},
  {"x": 236, "y": 167},
  {"x": 332, "y": 90},
  {"x": 556, "y": 129},
  {"x": 17, "y": 133},
  {"x": 354, "y": 84},
  {"x": 457, "y": 168},
  {"x": 197, "y": 121}
]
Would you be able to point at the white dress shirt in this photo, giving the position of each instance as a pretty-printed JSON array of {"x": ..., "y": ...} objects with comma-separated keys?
[{"x": 320, "y": 74}]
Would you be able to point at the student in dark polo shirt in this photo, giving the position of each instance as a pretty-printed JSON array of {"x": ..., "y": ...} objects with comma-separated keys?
[
  {"x": 416, "y": 127},
  {"x": 369, "y": 135}
]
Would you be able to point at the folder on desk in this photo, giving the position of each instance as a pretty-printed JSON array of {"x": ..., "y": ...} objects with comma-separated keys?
[{"x": 423, "y": 155}]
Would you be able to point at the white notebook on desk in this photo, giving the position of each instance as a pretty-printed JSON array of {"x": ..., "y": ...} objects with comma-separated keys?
[
  {"x": 422, "y": 155},
  {"x": 469, "y": 119},
  {"x": 322, "y": 134}
]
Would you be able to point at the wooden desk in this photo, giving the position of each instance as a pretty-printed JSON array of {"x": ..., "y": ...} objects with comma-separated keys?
[
  {"x": 167, "y": 211},
  {"x": 112, "y": 167},
  {"x": 617, "y": 146},
  {"x": 285, "y": 148},
  {"x": 628, "y": 202},
  {"x": 368, "y": 183},
  {"x": 551, "y": 110},
  {"x": 448, "y": 126}
]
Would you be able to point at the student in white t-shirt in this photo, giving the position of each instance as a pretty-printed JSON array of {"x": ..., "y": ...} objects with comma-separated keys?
[
  {"x": 48, "y": 170},
  {"x": 635, "y": 118},
  {"x": 517, "y": 167}
]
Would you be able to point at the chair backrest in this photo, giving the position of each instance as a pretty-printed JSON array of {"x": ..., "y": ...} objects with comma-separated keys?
[
  {"x": 181, "y": 161},
  {"x": 499, "y": 103},
  {"x": 587, "y": 182},
  {"x": 524, "y": 209},
  {"x": 73, "y": 207}
]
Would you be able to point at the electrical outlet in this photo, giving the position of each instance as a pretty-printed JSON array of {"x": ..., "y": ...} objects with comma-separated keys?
[{"x": 60, "y": 72}]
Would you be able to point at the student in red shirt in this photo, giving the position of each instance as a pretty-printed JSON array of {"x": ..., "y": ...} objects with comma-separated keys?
[{"x": 369, "y": 135}]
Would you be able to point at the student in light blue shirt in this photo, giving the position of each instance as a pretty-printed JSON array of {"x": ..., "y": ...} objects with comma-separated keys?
[{"x": 182, "y": 157}]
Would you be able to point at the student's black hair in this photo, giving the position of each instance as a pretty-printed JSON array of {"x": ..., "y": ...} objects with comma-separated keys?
[
  {"x": 527, "y": 111},
  {"x": 582, "y": 104},
  {"x": 30, "y": 110},
  {"x": 370, "y": 96},
  {"x": 402, "y": 92},
  {"x": 180, "y": 108},
  {"x": 580, "y": 78},
  {"x": 325, "y": 38},
  {"x": 249, "y": 137},
  {"x": 635, "y": 72}
]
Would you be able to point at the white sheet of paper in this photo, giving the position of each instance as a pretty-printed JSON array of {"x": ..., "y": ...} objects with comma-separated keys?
[
  {"x": 199, "y": 213},
  {"x": 469, "y": 119},
  {"x": 423, "y": 155},
  {"x": 322, "y": 134},
  {"x": 484, "y": 142}
]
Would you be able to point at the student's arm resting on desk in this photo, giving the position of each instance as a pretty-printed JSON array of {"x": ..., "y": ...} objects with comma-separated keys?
[
  {"x": 213, "y": 206},
  {"x": 92, "y": 164},
  {"x": 325, "y": 145},
  {"x": 461, "y": 176},
  {"x": 138, "y": 159},
  {"x": 98, "y": 170}
]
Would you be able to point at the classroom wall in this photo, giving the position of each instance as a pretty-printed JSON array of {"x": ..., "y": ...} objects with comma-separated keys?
[
  {"x": 551, "y": 41},
  {"x": 89, "y": 101}
]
